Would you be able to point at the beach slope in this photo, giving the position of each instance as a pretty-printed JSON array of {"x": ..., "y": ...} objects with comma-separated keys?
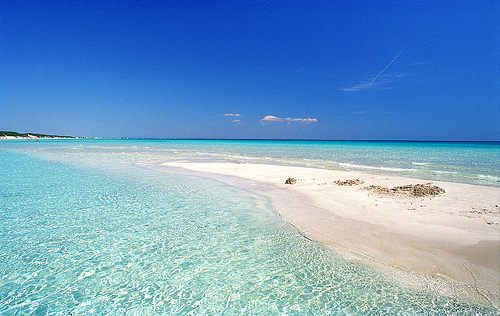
[{"x": 451, "y": 232}]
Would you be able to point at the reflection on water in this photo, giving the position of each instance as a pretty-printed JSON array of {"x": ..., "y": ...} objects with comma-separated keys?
[{"x": 96, "y": 240}]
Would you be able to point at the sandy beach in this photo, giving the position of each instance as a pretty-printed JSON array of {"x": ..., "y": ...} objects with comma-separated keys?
[{"x": 453, "y": 236}]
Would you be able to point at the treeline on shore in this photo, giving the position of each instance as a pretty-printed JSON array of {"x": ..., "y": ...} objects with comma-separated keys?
[{"x": 29, "y": 135}]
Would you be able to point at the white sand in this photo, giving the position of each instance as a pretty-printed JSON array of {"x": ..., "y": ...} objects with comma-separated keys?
[{"x": 455, "y": 236}]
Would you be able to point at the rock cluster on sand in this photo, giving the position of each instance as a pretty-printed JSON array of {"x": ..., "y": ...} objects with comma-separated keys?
[
  {"x": 349, "y": 182},
  {"x": 416, "y": 190}
]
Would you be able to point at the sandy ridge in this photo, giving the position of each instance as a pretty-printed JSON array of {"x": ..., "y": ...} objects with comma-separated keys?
[{"x": 454, "y": 235}]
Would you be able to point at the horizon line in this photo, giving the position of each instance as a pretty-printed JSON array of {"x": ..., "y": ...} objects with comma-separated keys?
[{"x": 297, "y": 139}]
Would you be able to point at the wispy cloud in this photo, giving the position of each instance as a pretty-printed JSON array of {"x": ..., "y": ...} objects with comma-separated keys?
[
  {"x": 395, "y": 57},
  {"x": 272, "y": 118},
  {"x": 237, "y": 115},
  {"x": 358, "y": 87},
  {"x": 373, "y": 82},
  {"x": 301, "y": 120},
  {"x": 383, "y": 82}
]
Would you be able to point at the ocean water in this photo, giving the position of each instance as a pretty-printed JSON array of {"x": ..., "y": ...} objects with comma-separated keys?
[{"x": 84, "y": 230}]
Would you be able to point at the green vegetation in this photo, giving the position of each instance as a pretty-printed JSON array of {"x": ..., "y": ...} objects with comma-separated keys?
[
  {"x": 16, "y": 134},
  {"x": 5, "y": 133}
]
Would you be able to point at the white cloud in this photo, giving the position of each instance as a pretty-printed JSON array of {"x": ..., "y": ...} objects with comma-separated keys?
[
  {"x": 272, "y": 118},
  {"x": 302, "y": 120},
  {"x": 232, "y": 114}
]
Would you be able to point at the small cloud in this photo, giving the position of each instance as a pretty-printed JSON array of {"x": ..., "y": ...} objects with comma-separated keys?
[
  {"x": 236, "y": 121},
  {"x": 302, "y": 120},
  {"x": 237, "y": 115},
  {"x": 272, "y": 118}
]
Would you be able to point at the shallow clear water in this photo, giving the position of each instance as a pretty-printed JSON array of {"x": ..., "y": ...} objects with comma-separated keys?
[
  {"x": 84, "y": 230},
  {"x": 466, "y": 162}
]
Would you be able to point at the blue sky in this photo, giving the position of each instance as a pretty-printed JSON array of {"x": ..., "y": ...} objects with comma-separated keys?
[{"x": 401, "y": 70}]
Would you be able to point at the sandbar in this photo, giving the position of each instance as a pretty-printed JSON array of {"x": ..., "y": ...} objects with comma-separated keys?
[{"x": 453, "y": 236}]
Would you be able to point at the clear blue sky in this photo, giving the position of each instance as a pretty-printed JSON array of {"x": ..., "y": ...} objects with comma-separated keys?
[{"x": 414, "y": 70}]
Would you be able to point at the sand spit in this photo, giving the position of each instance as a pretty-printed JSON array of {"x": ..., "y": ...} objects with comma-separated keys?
[{"x": 442, "y": 229}]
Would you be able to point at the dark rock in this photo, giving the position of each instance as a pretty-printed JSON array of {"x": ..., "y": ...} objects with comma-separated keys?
[{"x": 291, "y": 181}]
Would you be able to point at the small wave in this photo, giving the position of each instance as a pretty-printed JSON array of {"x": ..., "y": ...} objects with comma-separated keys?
[
  {"x": 420, "y": 163},
  {"x": 488, "y": 177},
  {"x": 349, "y": 165},
  {"x": 241, "y": 157},
  {"x": 444, "y": 172}
]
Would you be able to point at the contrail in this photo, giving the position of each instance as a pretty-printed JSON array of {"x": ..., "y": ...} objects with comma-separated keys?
[{"x": 395, "y": 57}]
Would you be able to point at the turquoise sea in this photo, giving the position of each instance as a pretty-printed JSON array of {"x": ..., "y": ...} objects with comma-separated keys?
[{"x": 85, "y": 230}]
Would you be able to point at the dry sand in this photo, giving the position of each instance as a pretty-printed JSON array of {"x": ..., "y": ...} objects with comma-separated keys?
[{"x": 453, "y": 236}]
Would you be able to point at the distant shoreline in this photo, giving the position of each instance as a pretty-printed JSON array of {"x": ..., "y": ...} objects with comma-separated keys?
[
  {"x": 35, "y": 137},
  {"x": 46, "y": 137},
  {"x": 29, "y": 136}
]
